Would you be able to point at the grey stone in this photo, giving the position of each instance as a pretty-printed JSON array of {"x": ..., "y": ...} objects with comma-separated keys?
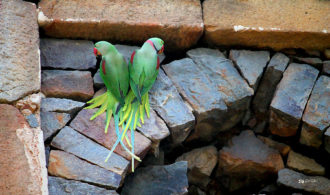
[
  {"x": 61, "y": 105},
  {"x": 304, "y": 164},
  {"x": 316, "y": 116},
  {"x": 268, "y": 83},
  {"x": 60, "y": 186},
  {"x": 47, "y": 152},
  {"x": 299, "y": 181},
  {"x": 166, "y": 101},
  {"x": 68, "y": 166},
  {"x": 327, "y": 140},
  {"x": 290, "y": 99},
  {"x": 251, "y": 64},
  {"x": 282, "y": 148},
  {"x": 73, "y": 142},
  {"x": 167, "y": 179},
  {"x": 155, "y": 129},
  {"x": 77, "y": 85},
  {"x": 51, "y": 122},
  {"x": 19, "y": 50},
  {"x": 67, "y": 54},
  {"x": 247, "y": 161},
  {"x": 316, "y": 62},
  {"x": 212, "y": 86},
  {"x": 326, "y": 67},
  {"x": 201, "y": 162},
  {"x": 98, "y": 82},
  {"x": 32, "y": 120}
]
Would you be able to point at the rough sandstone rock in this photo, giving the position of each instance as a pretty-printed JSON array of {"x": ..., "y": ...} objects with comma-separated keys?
[
  {"x": 201, "y": 162},
  {"x": 316, "y": 62},
  {"x": 282, "y": 148},
  {"x": 251, "y": 64},
  {"x": 326, "y": 67},
  {"x": 73, "y": 142},
  {"x": 77, "y": 85},
  {"x": 257, "y": 24},
  {"x": 67, "y": 54},
  {"x": 268, "y": 83},
  {"x": 52, "y": 122},
  {"x": 167, "y": 179},
  {"x": 95, "y": 130},
  {"x": 68, "y": 166},
  {"x": 19, "y": 50},
  {"x": 22, "y": 163},
  {"x": 166, "y": 101},
  {"x": 327, "y": 140},
  {"x": 316, "y": 116},
  {"x": 304, "y": 164},
  {"x": 129, "y": 21},
  {"x": 60, "y": 186},
  {"x": 247, "y": 161},
  {"x": 29, "y": 104},
  {"x": 292, "y": 93},
  {"x": 299, "y": 181},
  {"x": 61, "y": 105},
  {"x": 217, "y": 93},
  {"x": 155, "y": 129}
]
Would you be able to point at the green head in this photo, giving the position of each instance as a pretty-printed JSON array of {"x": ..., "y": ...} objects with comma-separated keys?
[
  {"x": 157, "y": 44},
  {"x": 103, "y": 47}
]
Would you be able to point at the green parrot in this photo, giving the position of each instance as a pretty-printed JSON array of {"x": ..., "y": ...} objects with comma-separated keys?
[
  {"x": 115, "y": 75},
  {"x": 143, "y": 71}
]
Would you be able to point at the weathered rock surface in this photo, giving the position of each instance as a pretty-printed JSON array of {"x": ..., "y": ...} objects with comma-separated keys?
[
  {"x": 61, "y": 105},
  {"x": 73, "y": 142},
  {"x": 19, "y": 50},
  {"x": 22, "y": 163},
  {"x": 121, "y": 21},
  {"x": 201, "y": 162},
  {"x": 299, "y": 181},
  {"x": 326, "y": 67},
  {"x": 52, "y": 122},
  {"x": 217, "y": 93},
  {"x": 60, "y": 186},
  {"x": 316, "y": 116},
  {"x": 247, "y": 161},
  {"x": 68, "y": 166},
  {"x": 290, "y": 99},
  {"x": 282, "y": 148},
  {"x": 155, "y": 129},
  {"x": 32, "y": 120},
  {"x": 316, "y": 62},
  {"x": 304, "y": 164},
  {"x": 168, "y": 179},
  {"x": 327, "y": 54},
  {"x": 95, "y": 130},
  {"x": 243, "y": 23},
  {"x": 67, "y": 54},
  {"x": 327, "y": 140},
  {"x": 251, "y": 64},
  {"x": 166, "y": 101},
  {"x": 97, "y": 80},
  {"x": 29, "y": 104},
  {"x": 76, "y": 85},
  {"x": 268, "y": 83}
]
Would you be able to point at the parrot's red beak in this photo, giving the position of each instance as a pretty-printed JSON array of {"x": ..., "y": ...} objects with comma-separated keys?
[
  {"x": 95, "y": 51},
  {"x": 161, "y": 50}
]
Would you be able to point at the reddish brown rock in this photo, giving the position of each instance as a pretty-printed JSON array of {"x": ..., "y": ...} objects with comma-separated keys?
[
  {"x": 76, "y": 85},
  {"x": 247, "y": 161},
  {"x": 68, "y": 166},
  {"x": 257, "y": 24},
  {"x": 130, "y": 21},
  {"x": 22, "y": 163},
  {"x": 282, "y": 148},
  {"x": 19, "y": 50},
  {"x": 95, "y": 130},
  {"x": 304, "y": 164},
  {"x": 292, "y": 93}
]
